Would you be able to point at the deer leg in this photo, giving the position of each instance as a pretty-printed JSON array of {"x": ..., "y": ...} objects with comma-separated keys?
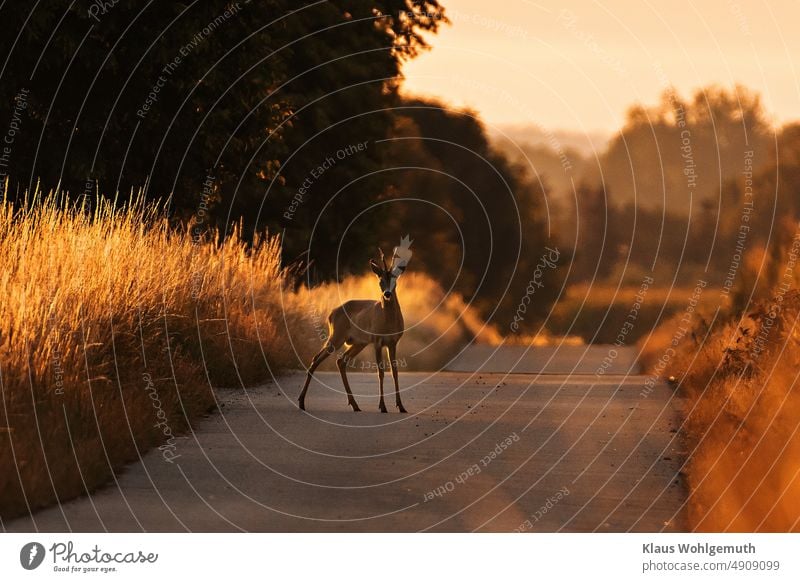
[
  {"x": 326, "y": 351},
  {"x": 379, "y": 363},
  {"x": 393, "y": 362},
  {"x": 341, "y": 363}
]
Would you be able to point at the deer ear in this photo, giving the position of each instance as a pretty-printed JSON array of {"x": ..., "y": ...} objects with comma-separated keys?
[{"x": 377, "y": 269}]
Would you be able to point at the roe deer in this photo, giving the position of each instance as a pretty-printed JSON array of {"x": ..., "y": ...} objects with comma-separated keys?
[{"x": 358, "y": 323}]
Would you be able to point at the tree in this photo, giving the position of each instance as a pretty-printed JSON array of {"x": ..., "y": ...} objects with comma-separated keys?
[
  {"x": 224, "y": 106},
  {"x": 480, "y": 221},
  {"x": 596, "y": 247},
  {"x": 678, "y": 152}
]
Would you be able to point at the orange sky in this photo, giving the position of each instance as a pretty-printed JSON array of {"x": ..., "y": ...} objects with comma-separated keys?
[{"x": 578, "y": 65}]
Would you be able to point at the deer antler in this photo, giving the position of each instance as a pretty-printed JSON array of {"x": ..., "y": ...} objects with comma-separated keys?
[{"x": 383, "y": 259}]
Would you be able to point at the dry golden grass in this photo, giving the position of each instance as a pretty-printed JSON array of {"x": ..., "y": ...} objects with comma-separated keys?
[
  {"x": 603, "y": 294},
  {"x": 584, "y": 307},
  {"x": 111, "y": 327},
  {"x": 742, "y": 411},
  {"x": 115, "y": 329}
]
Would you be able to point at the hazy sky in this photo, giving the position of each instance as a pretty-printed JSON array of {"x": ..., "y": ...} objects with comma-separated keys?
[{"x": 578, "y": 65}]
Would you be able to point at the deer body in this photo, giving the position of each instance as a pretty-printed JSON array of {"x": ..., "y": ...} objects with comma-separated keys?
[
  {"x": 358, "y": 323},
  {"x": 367, "y": 322}
]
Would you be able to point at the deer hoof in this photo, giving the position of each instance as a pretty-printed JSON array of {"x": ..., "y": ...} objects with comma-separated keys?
[
  {"x": 355, "y": 407},
  {"x": 301, "y": 404},
  {"x": 401, "y": 409},
  {"x": 382, "y": 408}
]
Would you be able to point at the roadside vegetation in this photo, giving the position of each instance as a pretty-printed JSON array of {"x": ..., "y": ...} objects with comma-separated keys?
[{"x": 737, "y": 375}]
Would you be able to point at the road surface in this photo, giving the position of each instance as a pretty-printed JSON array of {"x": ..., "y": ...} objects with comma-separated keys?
[{"x": 551, "y": 446}]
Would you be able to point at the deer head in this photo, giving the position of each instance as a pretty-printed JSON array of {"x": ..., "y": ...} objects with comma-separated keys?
[
  {"x": 359, "y": 323},
  {"x": 388, "y": 274}
]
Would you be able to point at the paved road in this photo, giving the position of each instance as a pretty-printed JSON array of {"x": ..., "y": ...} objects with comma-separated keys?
[{"x": 481, "y": 451}]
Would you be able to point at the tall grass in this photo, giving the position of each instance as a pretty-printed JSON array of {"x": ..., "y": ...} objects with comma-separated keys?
[
  {"x": 738, "y": 375},
  {"x": 115, "y": 328},
  {"x": 597, "y": 312}
]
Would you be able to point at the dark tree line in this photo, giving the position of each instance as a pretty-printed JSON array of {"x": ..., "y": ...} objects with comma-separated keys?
[
  {"x": 168, "y": 95},
  {"x": 277, "y": 115},
  {"x": 483, "y": 220}
]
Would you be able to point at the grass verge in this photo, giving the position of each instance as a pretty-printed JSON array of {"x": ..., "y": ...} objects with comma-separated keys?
[{"x": 739, "y": 382}]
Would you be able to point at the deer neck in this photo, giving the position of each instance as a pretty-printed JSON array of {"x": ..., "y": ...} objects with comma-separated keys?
[
  {"x": 392, "y": 318},
  {"x": 390, "y": 310},
  {"x": 390, "y": 305}
]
